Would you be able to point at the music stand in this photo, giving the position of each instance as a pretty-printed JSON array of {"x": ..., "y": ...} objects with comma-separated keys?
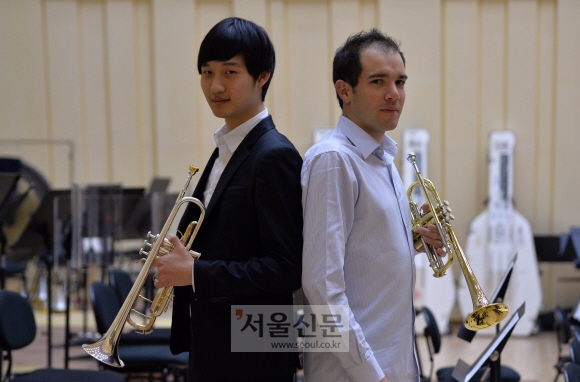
[
  {"x": 136, "y": 213},
  {"x": 40, "y": 229},
  {"x": 159, "y": 184},
  {"x": 554, "y": 248},
  {"x": 498, "y": 296},
  {"x": 575, "y": 243},
  {"x": 139, "y": 220},
  {"x": 7, "y": 185},
  {"x": 491, "y": 355},
  {"x": 39, "y": 233}
]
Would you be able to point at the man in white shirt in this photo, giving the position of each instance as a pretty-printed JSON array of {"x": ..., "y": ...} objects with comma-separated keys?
[
  {"x": 251, "y": 237},
  {"x": 358, "y": 247}
]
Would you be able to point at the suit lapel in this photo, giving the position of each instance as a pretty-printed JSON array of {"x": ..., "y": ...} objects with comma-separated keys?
[
  {"x": 239, "y": 156},
  {"x": 192, "y": 211},
  {"x": 201, "y": 185}
]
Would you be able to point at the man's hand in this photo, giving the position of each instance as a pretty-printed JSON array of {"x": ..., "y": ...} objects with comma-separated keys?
[
  {"x": 431, "y": 235},
  {"x": 384, "y": 380},
  {"x": 175, "y": 268}
]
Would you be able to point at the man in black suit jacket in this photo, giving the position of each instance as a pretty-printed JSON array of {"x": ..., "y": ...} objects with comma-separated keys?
[{"x": 251, "y": 237}]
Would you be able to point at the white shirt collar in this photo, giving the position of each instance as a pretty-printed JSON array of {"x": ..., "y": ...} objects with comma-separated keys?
[
  {"x": 366, "y": 144},
  {"x": 232, "y": 139}
]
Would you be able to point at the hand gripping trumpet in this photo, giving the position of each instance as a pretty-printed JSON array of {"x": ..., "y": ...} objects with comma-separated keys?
[
  {"x": 105, "y": 350},
  {"x": 484, "y": 313}
]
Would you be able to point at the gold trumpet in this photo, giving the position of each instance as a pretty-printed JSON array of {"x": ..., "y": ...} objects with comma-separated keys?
[
  {"x": 485, "y": 314},
  {"x": 105, "y": 350}
]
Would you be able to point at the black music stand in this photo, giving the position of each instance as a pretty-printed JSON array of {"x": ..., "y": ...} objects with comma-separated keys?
[
  {"x": 574, "y": 242},
  {"x": 555, "y": 248},
  {"x": 158, "y": 184},
  {"x": 40, "y": 230},
  {"x": 139, "y": 219},
  {"x": 136, "y": 214},
  {"x": 490, "y": 357},
  {"x": 103, "y": 217},
  {"x": 7, "y": 185},
  {"x": 39, "y": 234},
  {"x": 498, "y": 296},
  {"x": 104, "y": 212}
]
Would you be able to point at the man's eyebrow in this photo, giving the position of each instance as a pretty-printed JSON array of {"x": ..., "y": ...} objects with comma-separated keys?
[
  {"x": 383, "y": 75},
  {"x": 231, "y": 63},
  {"x": 224, "y": 63}
]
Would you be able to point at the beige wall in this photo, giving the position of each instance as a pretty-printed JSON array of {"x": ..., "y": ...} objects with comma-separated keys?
[{"x": 118, "y": 78}]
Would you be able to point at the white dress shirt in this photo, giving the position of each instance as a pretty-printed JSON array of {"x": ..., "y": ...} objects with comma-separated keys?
[
  {"x": 358, "y": 251},
  {"x": 227, "y": 143}
]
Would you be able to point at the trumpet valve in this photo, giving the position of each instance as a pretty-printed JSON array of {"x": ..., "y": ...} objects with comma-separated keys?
[
  {"x": 450, "y": 217},
  {"x": 165, "y": 246}
]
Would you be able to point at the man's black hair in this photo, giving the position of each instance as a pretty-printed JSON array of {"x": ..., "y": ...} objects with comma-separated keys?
[
  {"x": 347, "y": 65},
  {"x": 236, "y": 36}
]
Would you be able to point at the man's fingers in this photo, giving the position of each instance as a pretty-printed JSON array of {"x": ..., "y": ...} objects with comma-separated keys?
[
  {"x": 433, "y": 242},
  {"x": 432, "y": 237},
  {"x": 430, "y": 231},
  {"x": 173, "y": 239}
]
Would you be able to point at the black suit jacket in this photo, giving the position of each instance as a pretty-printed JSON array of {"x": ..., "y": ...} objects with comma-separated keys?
[{"x": 251, "y": 254}]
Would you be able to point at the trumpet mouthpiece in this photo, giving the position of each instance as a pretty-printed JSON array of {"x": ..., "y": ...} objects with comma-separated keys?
[{"x": 411, "y": 157}]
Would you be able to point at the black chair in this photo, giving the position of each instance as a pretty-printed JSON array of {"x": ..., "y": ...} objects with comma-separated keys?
[
  {"x": 18, "y": 330},
  {"x": 563, "y": 337},
  {"x": 572, "y": 373},
  {"x": 433, "y": 337},
  {"x": 575, "y": 351},
  {"x": 433, "y": 340},
  {"x": 148, "y": 358},
  {"x": 121, "y": 283},
  {"x": 575, "y": 332},
  {"x": 18, "y": 270}
]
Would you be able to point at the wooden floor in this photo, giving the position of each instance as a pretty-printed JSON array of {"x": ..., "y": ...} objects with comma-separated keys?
[{"x": 533, "y": 357}]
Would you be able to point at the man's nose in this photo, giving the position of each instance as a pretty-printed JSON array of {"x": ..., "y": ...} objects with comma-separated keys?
[
  {"x": 392, "y": 92},
  {"x": 217, "y": 85}
]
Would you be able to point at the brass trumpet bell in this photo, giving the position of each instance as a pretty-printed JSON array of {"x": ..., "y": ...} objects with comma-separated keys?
[{"x": 486, "y": 316}]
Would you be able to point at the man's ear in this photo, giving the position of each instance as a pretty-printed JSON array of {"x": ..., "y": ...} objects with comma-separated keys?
[
  {"x": 263, "y": 78},
  {"x": 344, "y": 91}
]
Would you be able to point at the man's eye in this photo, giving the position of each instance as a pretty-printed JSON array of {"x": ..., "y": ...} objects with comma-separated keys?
[
  {"x": 205, "y": 72},
  {"x": 230, "y": 72}
]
